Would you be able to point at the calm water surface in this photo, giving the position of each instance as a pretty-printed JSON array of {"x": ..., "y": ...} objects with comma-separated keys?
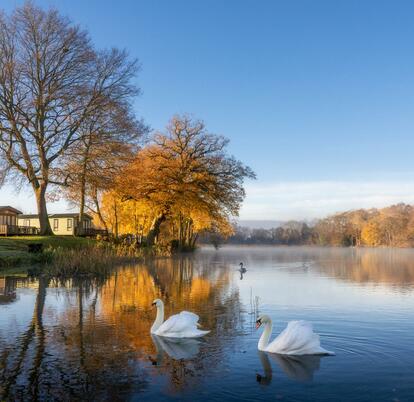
[{"x": 83, "y": 340}]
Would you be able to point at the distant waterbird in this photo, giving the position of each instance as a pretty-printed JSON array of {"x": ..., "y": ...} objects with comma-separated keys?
[{"x": 242, "y": 270}]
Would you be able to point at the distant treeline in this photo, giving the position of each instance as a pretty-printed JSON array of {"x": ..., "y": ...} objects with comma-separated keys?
[{"x": 391, "y": 226}]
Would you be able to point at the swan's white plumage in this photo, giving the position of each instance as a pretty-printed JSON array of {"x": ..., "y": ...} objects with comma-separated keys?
[
  {"x": 297, "y": 338},
  {"x": 182, "y": 325}
]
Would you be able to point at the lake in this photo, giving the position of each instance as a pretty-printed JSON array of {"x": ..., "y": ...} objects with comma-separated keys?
[{"x": 90, "y": 339}]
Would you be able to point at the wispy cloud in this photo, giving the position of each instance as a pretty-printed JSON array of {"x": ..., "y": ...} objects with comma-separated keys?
[{"x": 308, "y": 200}]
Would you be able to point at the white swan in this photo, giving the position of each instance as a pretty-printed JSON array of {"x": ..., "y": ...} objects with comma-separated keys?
[
  {"x": 183, "y": 325},
  {"x": 297, "y": 339}
]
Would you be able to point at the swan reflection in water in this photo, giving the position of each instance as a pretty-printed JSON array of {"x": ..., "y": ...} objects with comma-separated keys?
[
  {"x": 175, "y": 348},
  {"x": 299, "y": 368}
]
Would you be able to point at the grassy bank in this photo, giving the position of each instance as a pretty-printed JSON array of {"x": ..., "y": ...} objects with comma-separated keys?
[
  {"x": 64, "y": 256},
  {"x": 14, "y": 252}
]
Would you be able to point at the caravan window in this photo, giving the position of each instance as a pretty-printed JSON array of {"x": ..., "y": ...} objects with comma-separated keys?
[{"x": 55, "y": 224}]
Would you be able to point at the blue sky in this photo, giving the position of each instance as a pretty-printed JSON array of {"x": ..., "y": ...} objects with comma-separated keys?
[{"x": 316, "y": 96}]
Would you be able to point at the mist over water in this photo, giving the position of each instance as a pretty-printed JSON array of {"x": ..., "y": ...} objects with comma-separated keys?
[{"x": 90, "y": 339}]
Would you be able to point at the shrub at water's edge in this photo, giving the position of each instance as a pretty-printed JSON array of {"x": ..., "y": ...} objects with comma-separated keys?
[
  {"x": 15, "y": 251},
  {"x": 60, "y": 256},
  {"x": 89, "y": 261},
  {"x": 64, "y": 256},
  {"x": 95, "y": 260}
]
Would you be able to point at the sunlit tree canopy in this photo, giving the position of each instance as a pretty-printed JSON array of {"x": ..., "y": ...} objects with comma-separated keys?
[{"x": 187, "y": 181}]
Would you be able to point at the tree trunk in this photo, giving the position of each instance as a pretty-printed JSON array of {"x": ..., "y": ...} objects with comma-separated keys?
[
  {"x": 180, "y": 231},
  {"x": 155, "y": 229},
  {"x": 83, "y": 187},
  {"x": 116, "y": 220},
  {"x": 194, "y": 240},
  {"x": 40, "y": 192},
  {"x": 98, "y": 210},
  {"x": 81, "y": 209}
]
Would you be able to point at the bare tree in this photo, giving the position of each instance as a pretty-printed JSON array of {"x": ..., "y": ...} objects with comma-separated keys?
[
  {"x": 51, "y": 81},
  {"x": 110, "y": 139}
]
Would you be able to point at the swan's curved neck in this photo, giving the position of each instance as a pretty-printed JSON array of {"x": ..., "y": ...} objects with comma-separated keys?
[
  {"x": 264, "y": 339},
  {"x": 159, "y": 319}
]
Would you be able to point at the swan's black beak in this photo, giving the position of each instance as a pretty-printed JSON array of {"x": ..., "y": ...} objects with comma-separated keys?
[
  {"x": 153, "y": 304},
  {"x": 258, "y": 324}
]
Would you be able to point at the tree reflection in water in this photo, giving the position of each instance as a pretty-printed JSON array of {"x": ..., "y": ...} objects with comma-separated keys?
[
  {"x": 8, "y": 286},
  {"x": 92, "y": 338},
  {"x": 391, "y": 267},
  {"x": 14, "y": 362}
]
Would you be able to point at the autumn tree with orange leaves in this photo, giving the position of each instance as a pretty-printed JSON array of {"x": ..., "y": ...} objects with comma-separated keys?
[{"x": 187, "y": 180}]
